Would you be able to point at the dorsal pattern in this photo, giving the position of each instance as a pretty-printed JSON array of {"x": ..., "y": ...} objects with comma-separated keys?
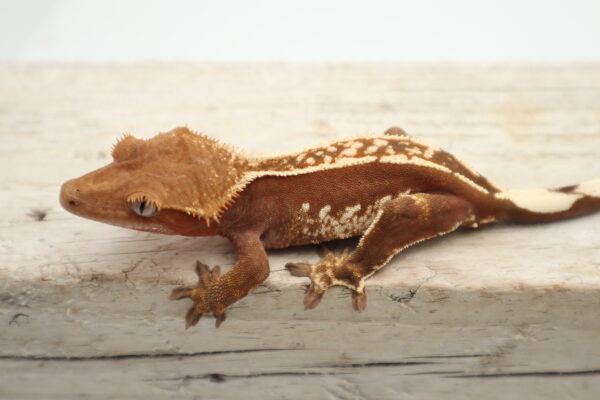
[
  {"x": 401, "y": 149},
  {"x": 220, "y": 173}
]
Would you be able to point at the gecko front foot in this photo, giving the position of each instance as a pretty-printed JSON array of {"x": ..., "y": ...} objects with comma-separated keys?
[
  {"x": 333, "y": 269},
  {"x": 200, "y": 295}
]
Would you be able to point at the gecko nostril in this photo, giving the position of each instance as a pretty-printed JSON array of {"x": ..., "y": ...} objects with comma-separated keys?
[{"x": 73, "y": 203}]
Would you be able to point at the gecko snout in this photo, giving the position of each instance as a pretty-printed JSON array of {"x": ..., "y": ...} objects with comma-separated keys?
[{"x": 69, "y": 195}]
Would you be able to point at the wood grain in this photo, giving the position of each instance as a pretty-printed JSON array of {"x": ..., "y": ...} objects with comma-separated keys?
[{"x": 499, "y": 312}]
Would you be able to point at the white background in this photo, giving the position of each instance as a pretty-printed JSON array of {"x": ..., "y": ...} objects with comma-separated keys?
[{"x": 404, "y": 31}]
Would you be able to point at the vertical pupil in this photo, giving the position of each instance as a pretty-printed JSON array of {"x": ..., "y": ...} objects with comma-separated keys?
[{"x": 142, "y": 206}]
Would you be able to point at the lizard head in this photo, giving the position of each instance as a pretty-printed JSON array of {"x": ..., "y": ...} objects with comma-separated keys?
[{"x": 150, "y": 183}]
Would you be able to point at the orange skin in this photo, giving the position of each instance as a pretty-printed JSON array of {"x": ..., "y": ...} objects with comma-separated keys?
[{"x": 180, "y": 183}]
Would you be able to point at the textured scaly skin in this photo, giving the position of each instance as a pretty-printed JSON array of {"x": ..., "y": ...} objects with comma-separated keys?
[{"x": 392, "y": 189}]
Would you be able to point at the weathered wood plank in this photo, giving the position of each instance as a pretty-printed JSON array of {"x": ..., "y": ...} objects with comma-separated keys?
[{"x": 505, "y": 311}]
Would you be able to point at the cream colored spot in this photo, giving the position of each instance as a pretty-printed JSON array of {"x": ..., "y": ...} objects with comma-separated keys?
[
  {"x": 429, "y": 152},
  {"x": 350, "y": 152},
  {"x": 540, "y": 200},
  {"x": 413, "y": 150},
  {"x": 371, "y": 149},
  {"x": 356, "y": 145},
  {"x": 349, "y": 212},
  {"x": 310, "y": 160},
  {"x": 300, "y": 157},
  {"x": 319, "y": 153},
  {"x": 380, "y": 142},
  {"x": 327, "y": 159},
  {"x": 398, "y": 158},
  {"x": 324, "y": 211},
  {"x": 389, "y": 150},
  {"x": 305, "y": 207},
  {"x": 331, "y": 148}
]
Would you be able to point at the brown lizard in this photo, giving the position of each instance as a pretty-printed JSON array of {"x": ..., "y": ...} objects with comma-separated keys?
[{"x": 393, "y": 190}]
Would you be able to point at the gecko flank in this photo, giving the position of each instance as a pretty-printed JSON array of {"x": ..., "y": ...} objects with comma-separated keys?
[{"x": 391, "y": 189}]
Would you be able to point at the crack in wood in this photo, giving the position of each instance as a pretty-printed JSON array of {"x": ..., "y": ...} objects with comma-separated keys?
[
  {"x": 379, "y": 364},
  {"x": 15, "y": 318},
  {"x": 458, "y": 356},
  {"x": 220, "y": 378},
  {"x": 583, "y": 372},
  {"x": 13, "y": 357}
]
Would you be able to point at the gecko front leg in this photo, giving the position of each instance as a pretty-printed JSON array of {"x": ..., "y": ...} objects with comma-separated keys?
[
  {"x": 214, "y": 293},
  {"x": 401, "y": 222}
]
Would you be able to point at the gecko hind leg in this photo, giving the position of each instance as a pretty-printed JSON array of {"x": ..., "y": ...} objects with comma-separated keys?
[
  {"x": 401, "y": 222},
  {"x": 198, "y": 294}
]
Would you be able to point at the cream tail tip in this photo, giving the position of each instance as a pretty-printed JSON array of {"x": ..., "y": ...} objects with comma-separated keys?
[
  {"x": 589, "y": 188},
  {"x": 543, "y": 201}
]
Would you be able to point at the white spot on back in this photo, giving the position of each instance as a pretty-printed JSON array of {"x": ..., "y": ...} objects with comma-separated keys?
[
  {"x": 371, "y": 149},
  {"x": 429, "y": 152},
  {"x": 310, "y": 160},
  {"x": 349, "y": 152},
  {"x": 380, "y": 142},
  {"x": 305, "y": 207}
]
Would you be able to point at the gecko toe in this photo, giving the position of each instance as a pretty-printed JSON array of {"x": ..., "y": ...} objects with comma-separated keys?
[
  {"x": 298, "y": 269},
  {"x": 313, "y": 298},
  {"x": 219, "y": 318},
  {"x": 192, "y": 317},
  {"x": 205, "y": 275},
  {"x": 181, "y": 293},
  {"x": 199, "y": 294},
  {"x": 359, "y": 300}
]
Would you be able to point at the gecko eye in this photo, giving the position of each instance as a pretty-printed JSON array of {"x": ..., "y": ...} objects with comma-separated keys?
[{"x": 143, "y": 208}]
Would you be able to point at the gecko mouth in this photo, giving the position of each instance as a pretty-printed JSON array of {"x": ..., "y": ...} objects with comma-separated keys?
[{"x": 71, "y": 200}]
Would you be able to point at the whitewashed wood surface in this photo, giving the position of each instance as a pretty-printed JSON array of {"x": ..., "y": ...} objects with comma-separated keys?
[{"x": 503, "y": 312}]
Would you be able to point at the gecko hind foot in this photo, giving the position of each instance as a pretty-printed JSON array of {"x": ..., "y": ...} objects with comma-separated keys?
[
  {"x": 198, "y": 294},
  {"x": 329, "y": 271}
]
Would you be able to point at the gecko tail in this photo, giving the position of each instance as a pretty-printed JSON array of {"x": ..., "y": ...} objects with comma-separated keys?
[{"x": 545, "y": 205}]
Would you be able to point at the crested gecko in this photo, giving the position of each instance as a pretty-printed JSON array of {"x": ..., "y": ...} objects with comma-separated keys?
[{"x": 391, "y": 189}]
